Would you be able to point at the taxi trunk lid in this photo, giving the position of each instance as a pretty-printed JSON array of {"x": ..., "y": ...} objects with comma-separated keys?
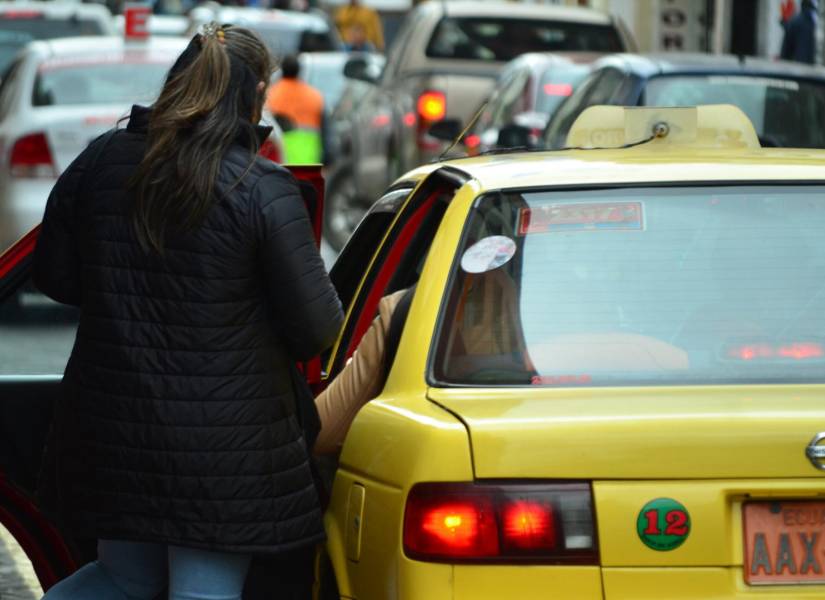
[{"x": 652, "y": 433}]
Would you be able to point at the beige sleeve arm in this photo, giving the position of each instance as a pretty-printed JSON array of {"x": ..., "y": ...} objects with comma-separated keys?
[{"x": 360, "y": 381}]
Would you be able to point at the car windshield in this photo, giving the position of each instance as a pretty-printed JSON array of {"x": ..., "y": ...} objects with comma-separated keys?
[
  {"x": 557, "y": 83},
  {"x": 282, "y": 38},
  {"x": 497, "y": 39},
  {"x": 92, "y": 82},
  {"x": 643, "y": 286},
  {"x": 785, "y": 112},
  {"x": 17, "y": 29}
]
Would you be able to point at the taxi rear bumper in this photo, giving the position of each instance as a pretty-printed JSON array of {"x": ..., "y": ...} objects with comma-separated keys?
[{"x": 693, "y": 584}]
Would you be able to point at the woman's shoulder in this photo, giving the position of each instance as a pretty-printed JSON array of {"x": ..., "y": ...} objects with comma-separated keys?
[{"x": 259, "y": 177}]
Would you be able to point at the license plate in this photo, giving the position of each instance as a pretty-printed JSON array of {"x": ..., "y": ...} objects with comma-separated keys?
[{"x": 784, "y": 543}]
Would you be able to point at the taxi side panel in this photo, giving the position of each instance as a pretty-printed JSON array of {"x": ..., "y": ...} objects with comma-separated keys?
[{"x": 393, "y": 443}]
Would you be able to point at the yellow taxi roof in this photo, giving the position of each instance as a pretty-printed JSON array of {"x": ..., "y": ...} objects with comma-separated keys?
[
  {"x": 663, "y": 145},
  {"x": 638, "y": 165}
]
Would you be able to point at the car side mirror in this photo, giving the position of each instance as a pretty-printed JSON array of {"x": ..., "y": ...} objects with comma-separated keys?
[
  {"x": 514, "y": 136},
  {"x": 362, "y": 69},
  {"x": 445, "y": 130}
]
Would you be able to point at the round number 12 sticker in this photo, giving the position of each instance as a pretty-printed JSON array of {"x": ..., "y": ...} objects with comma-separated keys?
[{"x": 663, "y": 524}]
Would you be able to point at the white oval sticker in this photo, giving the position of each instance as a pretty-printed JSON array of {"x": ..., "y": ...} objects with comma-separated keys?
[{"x": 487, "y": 254}]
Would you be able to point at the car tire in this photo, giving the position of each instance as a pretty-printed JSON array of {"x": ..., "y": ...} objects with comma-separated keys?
[{"x": 343, "y": 208}]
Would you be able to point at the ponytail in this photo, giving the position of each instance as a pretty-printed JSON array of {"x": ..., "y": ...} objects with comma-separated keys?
[{"x": 209, "y": 98}]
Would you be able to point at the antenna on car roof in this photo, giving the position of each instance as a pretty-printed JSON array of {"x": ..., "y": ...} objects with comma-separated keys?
[{"x": 465, "y": 130}]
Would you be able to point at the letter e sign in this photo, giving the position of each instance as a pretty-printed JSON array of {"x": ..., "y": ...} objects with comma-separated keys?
[{"x": 136, "y": 20}]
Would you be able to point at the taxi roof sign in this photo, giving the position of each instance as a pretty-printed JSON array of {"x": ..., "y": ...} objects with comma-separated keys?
[{"x": 710, "y": 126}]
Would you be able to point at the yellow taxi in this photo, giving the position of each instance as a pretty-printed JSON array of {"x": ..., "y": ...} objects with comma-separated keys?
[{"x": 611, "y": 381}]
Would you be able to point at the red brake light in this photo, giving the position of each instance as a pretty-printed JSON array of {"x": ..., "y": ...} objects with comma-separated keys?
[
  {"x": 558, "y": 89},
  {"x": 472, "y": 141},
  {"x": 791, "y": 350},
  {"x": 31, "y": 157},
  {"x": 21, "y": 14},
  {"x": 465, "y": 522},
  {"x": 529, "y": 525},
  {"x": 270, "y": 151},
  {"x": 456, "y": 528},
  {"x": 432, "y": 106},
  {"x": 800, "y": 350}
]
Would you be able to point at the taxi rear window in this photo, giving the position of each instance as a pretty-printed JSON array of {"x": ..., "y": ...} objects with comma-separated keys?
[
  {"x": 646, "y": 286},
  {"x": 85, "y": 82}
]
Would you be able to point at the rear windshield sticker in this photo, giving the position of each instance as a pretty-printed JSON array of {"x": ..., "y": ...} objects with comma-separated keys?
[
  {"x": 487, "y": 254},
  {"x": 581, "y": 217}
]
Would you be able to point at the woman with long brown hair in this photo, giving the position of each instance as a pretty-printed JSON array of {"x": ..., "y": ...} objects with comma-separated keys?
[{"x": 176, "y": 442}]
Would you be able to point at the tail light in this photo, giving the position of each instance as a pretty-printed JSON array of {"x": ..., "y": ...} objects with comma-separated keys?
[
  {"x": 431, "y": 107},
  {"x": 465, "y": 522},
  {"x": 270, "y": 150},
  {"x": 31, "y": 157}
]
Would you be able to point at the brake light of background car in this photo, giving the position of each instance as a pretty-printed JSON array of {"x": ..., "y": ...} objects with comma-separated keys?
[
  {"x": 21, "y": 14},
  {"x": 31, "y": 157},
  {"x": 270, "y": 151},
  {"x": 432, "y": 106},
  {"x": 465, "y": 522},
  {"x": 558, "y": 89}
]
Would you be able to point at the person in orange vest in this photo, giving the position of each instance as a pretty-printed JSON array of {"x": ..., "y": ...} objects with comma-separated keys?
[
  {"x": 299, "y": 109},
  {"x": 355, "y": 13}
]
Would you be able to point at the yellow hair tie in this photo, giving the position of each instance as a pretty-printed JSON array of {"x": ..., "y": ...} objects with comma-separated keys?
[{"x": 221, "y": 36}]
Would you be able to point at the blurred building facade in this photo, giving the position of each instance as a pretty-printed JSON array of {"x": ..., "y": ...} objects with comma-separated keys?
[{"x": 747, "y": 27}]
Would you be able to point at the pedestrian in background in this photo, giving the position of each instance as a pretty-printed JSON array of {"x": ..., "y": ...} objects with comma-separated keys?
[
  {"x": 299, "y": 108},
  {"x": 355, "y": 13},
  {"x": 799, "y": 43},
  {"x": 356, "y": 40},
  {"x": 176, "y": 442}
]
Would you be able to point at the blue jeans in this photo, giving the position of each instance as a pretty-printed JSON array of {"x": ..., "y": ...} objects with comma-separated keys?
[{"x": 141, "y": 571}]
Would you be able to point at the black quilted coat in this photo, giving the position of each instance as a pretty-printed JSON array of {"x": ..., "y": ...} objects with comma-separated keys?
[{"x": 177, "y": 423}]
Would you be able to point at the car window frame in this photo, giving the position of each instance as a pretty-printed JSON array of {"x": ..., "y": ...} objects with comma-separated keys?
[
  {"x": 579, "y": 101},
  {"x": 385, "y": 273},
  {"x": 7, "y": 88}
]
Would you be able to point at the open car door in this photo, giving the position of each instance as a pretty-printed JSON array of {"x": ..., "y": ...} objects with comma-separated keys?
[{"x": 36, "y": 337}]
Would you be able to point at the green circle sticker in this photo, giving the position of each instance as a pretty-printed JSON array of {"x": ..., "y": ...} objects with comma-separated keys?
[{"x": 663, "y": 524}]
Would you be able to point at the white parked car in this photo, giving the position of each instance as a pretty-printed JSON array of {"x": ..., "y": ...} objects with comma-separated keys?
[
  {"x": 23, "y": 22},
  {"x": 60, "y": 95}
]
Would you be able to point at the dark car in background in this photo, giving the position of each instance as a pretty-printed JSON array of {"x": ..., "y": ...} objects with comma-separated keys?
[
  {"x": 444, "y": 60},
  {"x": 527, "y": 93},
  {"x": 23, "y": 22},
  {"x": 785, "y": 101}
]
